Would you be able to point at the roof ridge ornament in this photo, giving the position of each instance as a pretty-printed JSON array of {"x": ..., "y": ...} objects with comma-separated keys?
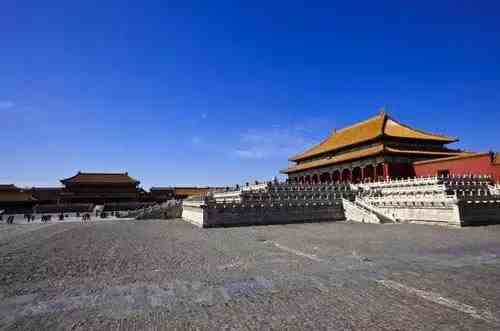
[{"x": 382, "y": 110}]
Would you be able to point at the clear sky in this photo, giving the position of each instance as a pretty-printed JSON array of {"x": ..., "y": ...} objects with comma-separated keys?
[{"x": 221, "y": 92}]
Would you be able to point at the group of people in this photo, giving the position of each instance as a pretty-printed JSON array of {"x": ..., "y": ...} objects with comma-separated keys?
[
  {"x": 10, "y": 219},
  {"x": 85, "y": 218},
  {"x": 29, "y": 217},
  {"x": 46, "y": 218}
]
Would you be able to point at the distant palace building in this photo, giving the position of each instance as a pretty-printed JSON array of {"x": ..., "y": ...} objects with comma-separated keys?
[
  {"x": 88, "y": 193},
  {"x": 15, "y": 200},
  {"x": 378, "y": 147},
  {"x": 84, "y": 188},
  {"x": 111, "y": 189},
  {"x": 100, "y": 188},
  {"x": 47, "y": 195}
]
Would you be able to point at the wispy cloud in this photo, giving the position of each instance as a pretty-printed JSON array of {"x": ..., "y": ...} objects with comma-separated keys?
[
  {"x": 27, "y": 184},
  {"x": 6, "y": 104},
  {"x": 273, "y": 142},
  {"x": 195, "y": 140},
  {"x": 24, "y": 183},
  {"x": 250, "y": 153}
]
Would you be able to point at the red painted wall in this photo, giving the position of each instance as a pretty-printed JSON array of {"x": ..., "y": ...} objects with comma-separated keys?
[
  {"x": 401, "y": 170},
  {"x": 477, "y": 165}
]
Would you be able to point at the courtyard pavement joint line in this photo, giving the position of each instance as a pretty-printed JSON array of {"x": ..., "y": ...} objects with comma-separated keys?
[
  {"x": 429, "y": 296},
  {"x": 436, "y": 298},
  {"x": 296, "y": 252}
]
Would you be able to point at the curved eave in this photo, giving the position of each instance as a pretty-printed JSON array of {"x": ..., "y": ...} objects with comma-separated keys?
[
  {"x": 445, "y": 140},
  {"x": 103, "y": 183},
  {"x": 309, "y": 152},
  {"x": 417, "y": 152},
  {"x": 357, "y": 143},
  {"x": 71, "y": 180},
  {"x": 351, "y": 156}
]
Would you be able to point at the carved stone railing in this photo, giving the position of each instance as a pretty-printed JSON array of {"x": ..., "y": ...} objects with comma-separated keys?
[
  {"x": 399, "y": 183},
  {"x": 450, "y": 182},
  {"x": 494, "y": 189},
  {"x": 283, "y": 193}
]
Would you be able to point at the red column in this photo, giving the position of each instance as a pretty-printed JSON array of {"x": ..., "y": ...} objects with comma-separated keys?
[{"x": 386, "y": 170}]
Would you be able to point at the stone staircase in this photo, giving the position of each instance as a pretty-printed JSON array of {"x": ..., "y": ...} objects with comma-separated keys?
[
  {"x": 454, "y": 200},
  {"x": 98, "y": 209}
]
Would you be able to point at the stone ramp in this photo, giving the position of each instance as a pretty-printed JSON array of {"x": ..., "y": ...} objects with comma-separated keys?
[{"x": 356, "y": 213}]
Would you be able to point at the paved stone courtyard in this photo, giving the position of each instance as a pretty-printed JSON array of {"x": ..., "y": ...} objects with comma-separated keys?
[{"x": 164, "y": 275}]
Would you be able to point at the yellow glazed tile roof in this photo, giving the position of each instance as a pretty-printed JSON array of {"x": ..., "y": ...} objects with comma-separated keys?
[
  {"x": 369, "y": 129},
  {"x": 395, "y": 129},
  {"x": 359, "y": 132}
]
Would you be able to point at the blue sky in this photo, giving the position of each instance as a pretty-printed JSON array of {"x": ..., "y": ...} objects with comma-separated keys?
[{"x": 221, "y": 92}]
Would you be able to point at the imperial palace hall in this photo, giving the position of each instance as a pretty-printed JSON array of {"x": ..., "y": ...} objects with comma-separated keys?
[
  {"x": 378, "y": 147},
  {"x": 15, "y": 200},
  {"x": 100, "y": 188}
]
